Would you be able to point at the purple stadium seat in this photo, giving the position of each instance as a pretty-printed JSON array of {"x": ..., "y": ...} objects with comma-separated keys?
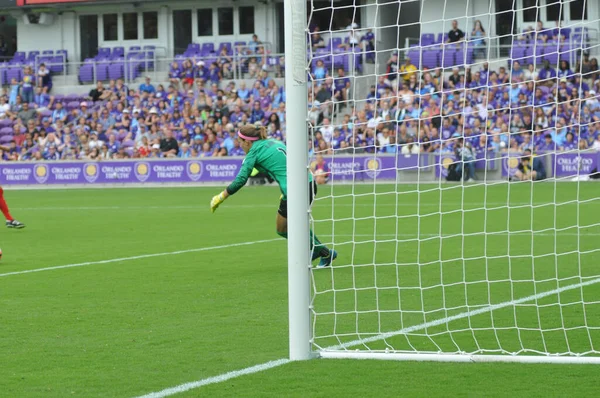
[
  {"x": 86, "y": 73},
  {"x": 14, "y": 73},
  {"x": 102, "y": 70},
  {"x": 3, "y": 79},
  {"x": 128, "y": 143},
  {"x": 207, "y": 48},
  {"x": 64, "y": 53},
  {"x": 463, "y": 57},
  {"x": 336, "y": 42},
  {"x": 6, "y": 131},
  {"x": 135, "y": 49},
  {"x": 72, "y": 105},
  {"x": 517, "y": 53},
  {"x": 32, "y": 55},
  {"x": 104, "y": 52},
  {"x": 427, "y": 39},
  {"x": 115, "y": 70},
  {"x": 567, "y": 52},
  {"x": 447, "y": 56},
  {"x": 551, "y": 52},
  {"x": 117, "y": 52},
  {"x": 57, "y": 65},
  {"x": 48, "y": 52},
  {"x": 5, "y": 123},
  {"x": 414, "y": 54},
  {"x": 19, "y": 56},
  {"x": 430, "y": 58},
  {"x": 442, "y": 37},
  {"x": 5, "y": 139}
]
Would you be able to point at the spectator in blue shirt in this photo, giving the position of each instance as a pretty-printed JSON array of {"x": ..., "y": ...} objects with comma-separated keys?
[
  {"x": 59, "y": 113},
  {"x": 147, "y": 87}
]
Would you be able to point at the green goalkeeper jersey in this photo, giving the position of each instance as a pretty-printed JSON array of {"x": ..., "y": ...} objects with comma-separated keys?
[{"x": 268, "y": 157}]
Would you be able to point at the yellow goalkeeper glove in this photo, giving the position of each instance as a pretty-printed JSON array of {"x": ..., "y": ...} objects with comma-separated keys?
[
  {"x": 254, "y": 173},
  {"x": 216, "y": 201}
]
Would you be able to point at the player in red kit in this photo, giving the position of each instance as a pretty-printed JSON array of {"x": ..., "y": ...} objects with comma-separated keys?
[{"x": 10, "y": 221}]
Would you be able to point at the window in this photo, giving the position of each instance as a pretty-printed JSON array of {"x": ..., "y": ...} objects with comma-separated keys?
[
  {"x": 578, "y": 10},
  {"x": 130, "y": 26},
  {"x": 150, "y": 24},
  {"x": 205, "y": 22},
  {"x": 225, "y": 16},
  {"x": 530, "y": 13},
  {"x": 554, "y": 10},
  {"x": 111, "y": 30},
  {"x": 246, "y": 18}
]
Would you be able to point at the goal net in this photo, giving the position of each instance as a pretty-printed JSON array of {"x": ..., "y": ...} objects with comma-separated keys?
[{"x": 455, "y": 144}]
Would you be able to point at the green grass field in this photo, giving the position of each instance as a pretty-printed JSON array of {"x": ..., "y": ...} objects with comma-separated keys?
[{"x": 173, "y": 293}]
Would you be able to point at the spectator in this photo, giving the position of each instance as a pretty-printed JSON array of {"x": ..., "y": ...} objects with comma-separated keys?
[
  {"x": 59, "y": 113},
  {"x": 254, "y": 44},
  {"x": 517, "y": 74},
  {"x": 455, "y": 35},
  {"x": 147, "y": 87},
  {"x": 27, "y": 84},
  {"x": 530, "y": 168},
  {"x": 14, "y": 92},
  {"x": 44, "y": 79},
  {"x": 99, "y": 93},
  {"x": 26, "y": 114},
  {"x": 466, "y": 160},
  {"x": 478, "y": 40},
  {"x": 4, "y": 107},
  {"x": 547, "y": 73},
  {"x": 168, "y": 145},
  {"x": 407, "y": 70},
  {"x": 317, "y": 41}
]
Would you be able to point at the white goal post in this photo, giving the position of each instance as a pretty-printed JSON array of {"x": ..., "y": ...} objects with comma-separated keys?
[{"x": 456, "y": 144}]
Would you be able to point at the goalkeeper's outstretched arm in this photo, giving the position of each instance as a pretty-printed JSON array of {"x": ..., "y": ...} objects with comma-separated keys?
[{"x": 240, "y": 180}]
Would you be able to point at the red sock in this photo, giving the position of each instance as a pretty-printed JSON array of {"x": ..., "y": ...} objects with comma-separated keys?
[{"x": 4, "y": 206}]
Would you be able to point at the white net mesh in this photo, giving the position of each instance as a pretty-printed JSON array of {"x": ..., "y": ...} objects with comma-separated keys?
[{"x": 406, "y": 97}]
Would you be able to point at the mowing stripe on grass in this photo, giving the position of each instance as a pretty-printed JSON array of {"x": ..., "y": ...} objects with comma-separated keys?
[
  {"x": 462, "y": 315},
  {"x": 272, "y": 364},
  {"x": 216, "y": 379},
  {"x": 117, "y": 260}
]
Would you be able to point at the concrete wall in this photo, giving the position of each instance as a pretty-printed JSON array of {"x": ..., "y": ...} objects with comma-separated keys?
[{"x": 63, "y": 33}]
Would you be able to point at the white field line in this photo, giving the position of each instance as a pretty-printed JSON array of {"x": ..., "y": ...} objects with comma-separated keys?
[
  {"x": 462, "y": 315},
  {"x": 118, "y": 260},
  {"x": 216, "y": 379},
  {"x": 448, "y": 206},
  {"x": 272, "y": 364}
]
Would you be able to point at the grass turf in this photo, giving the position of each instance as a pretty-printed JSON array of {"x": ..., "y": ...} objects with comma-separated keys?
[{"x": 126, "y": 328}]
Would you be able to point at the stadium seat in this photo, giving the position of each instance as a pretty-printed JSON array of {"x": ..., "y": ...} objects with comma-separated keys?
[
  {"x": 101, "y": 70},
  {"x": 207, "y": 48},
  {"x": 115, "y": 70},
  {"x": 14, "y": 73},
  {"x": 427, "y": 39},
  {"x": 117, "y": 52}
]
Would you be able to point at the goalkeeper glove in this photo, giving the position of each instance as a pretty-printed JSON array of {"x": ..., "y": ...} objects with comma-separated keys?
[
  {"x": 216, "y": 201},
  {"x": 254, "y": 173}
]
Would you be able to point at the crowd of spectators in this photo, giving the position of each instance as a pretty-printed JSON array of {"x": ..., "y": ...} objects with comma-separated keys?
[
  {"x": 195, "y": 115},
  {"x": 408, "y": 111},
  {"x": 508, "y": 109}
]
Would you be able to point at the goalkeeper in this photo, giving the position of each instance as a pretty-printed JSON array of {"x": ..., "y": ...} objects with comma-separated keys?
[{"x": 269, "y": 157}]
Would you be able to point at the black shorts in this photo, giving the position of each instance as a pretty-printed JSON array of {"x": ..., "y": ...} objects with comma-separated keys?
[{"x": 312, "y": 192}]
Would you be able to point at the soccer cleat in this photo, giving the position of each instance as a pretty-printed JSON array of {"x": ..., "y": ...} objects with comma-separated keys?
[
  {"x": 326, "y": 261},
  {"x": 14, "y": 224}
]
